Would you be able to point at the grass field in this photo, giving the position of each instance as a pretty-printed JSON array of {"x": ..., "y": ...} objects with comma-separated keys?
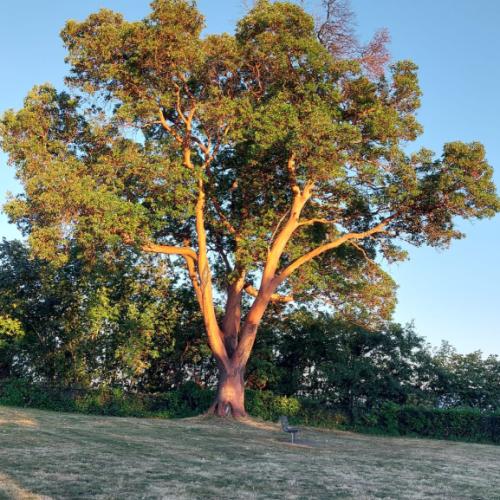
[{"x": 58, "y": 455}]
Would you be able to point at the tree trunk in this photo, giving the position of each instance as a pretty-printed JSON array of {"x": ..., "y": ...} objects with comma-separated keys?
[
  {"x": 237, "y": 346},
  {"x": 230, "y": 398}
]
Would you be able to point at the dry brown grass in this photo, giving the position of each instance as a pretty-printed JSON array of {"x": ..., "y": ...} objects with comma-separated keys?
[{"x": 57, "y": 455}]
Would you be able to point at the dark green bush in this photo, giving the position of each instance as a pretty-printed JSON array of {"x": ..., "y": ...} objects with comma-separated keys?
[
  {"x": 112, "y": 401},
  {"x": 194, "y": 398},
  {"x": 186, "y": 401},
  {"x": 15, "y": 392},
  {"x": 19, "y": 392},
  {"x": 467, "y": 424},
  {"x": 268, "y": 406}
]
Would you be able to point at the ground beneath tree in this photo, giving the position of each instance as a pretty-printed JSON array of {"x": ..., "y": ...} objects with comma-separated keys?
[{"x": 58, "y": 455}]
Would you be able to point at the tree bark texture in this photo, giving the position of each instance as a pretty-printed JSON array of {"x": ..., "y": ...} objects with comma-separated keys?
[{"x": 230, "y": 398}]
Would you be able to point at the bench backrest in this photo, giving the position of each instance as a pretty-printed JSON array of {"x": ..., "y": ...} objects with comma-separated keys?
[{"x": 284, "y": 422}]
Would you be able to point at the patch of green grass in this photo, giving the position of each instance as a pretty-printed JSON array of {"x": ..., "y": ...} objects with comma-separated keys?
[{"x": 60, "y": 455}]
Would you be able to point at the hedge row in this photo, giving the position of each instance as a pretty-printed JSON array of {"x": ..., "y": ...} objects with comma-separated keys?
[
  {"x": 467, "y": 424},
  {"x": 186, "y": 401},
  {"x": 460, "y": 424}
]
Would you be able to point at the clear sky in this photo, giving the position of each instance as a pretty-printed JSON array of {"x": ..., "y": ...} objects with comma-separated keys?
[{"x": 452, "y": 294}]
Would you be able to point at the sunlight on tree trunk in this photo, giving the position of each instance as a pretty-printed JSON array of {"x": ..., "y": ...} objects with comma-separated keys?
[{"x": 230, "y": 398}]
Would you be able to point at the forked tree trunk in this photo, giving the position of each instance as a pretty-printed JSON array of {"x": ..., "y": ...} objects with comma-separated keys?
[
  {"x": 237, "y": 344},
  {"x": 230, "y": 397}
]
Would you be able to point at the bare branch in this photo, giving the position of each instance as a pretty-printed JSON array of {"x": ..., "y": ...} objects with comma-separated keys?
[
  {"x": 170, "y": 129},
  {"x": 336, "y": 33},
  {"x": 293, "y": 174},
  {"x": 194, "y": 280},
  {"x": 310, "y": 222},
  {"x": 170, "y": 250},
  {"x": 275, "y": 297},
  {"x": 222, "y": 216},
  {"x": 362, "y": 250}
]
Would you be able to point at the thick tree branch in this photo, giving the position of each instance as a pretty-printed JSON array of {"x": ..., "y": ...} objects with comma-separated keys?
[
  {"x": 202, "y": 282},
  {"x": 215, "y": 336},
  {"x": 300, "y": 198},
  {"x": 204, "y": 147},
  {"x": 210, "y": 155},
  {"x": 268, "y": 283},
  {"x": 330, "y": 246},
  {"x": 189, "y": 256},
  {"x": 232, "y": 318},
  {"x": 184, "y": 141},
  {"x": 277, "y": 229},
  {"x": 186, "y": 144},
  {"x": 178, "y": 108}
]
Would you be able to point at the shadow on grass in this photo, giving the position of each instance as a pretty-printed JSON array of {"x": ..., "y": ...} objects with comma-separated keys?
[
  {"x": 10, "y": 489},
  {"x": 277, "y": 437}
]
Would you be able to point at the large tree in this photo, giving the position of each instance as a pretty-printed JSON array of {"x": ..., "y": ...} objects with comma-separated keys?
[{"x": 271, "y": 163}]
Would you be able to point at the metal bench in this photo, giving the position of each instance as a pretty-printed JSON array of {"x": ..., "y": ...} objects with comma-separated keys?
[{"x": 285, "y": 427}]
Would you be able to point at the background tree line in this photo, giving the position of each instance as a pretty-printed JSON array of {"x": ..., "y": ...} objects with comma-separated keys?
[{"x": 127, "y": 323}]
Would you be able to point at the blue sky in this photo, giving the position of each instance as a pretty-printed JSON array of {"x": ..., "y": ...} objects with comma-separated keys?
[{"x": 452, "y": 294}]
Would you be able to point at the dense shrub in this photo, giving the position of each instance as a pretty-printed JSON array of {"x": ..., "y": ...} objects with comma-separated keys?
[
  {"x": 452, "y": 423},
  {"x": 19, "y": 392},
  {"x": 266, "y": 405},
  {"x": 188, "y": 400}
]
